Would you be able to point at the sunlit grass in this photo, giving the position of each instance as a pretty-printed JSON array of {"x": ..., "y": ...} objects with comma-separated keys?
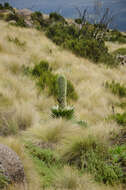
[{"x": 30, "y": 111}]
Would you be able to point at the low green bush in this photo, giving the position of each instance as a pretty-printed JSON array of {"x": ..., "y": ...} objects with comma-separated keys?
[
  {"x": 109, "y": 60},
  {"x": 120, "y": 118},
  {"x": 119, "y": 155},
  {"x": 78, "y": 20},
  {"x": 45, "y": 78},
  {"x": 45, "y": 155},
  {"x": 37, "y": 16},
  {"x": 88, "y": 154},
  {"x": 116, "y": 88},
  {"x": 38, "y": 69},
  {"x": 88, "y": 48}
]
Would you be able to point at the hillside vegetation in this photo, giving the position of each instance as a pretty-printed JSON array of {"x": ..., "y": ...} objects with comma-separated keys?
[{"x": 87, "y": 152}]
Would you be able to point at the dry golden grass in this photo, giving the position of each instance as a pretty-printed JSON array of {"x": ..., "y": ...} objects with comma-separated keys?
[
  {"x": 53, "y": 131},
  {"x": 32, "y": 110},
  {"x": 94, "y": 101},
  {"x": 70, "y": 179}
]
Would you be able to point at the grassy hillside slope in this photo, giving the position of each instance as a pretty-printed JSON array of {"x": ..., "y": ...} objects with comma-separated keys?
[{"x": 22, "y": 106}]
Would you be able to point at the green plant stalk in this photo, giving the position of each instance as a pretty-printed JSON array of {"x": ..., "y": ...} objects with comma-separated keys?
[{"x": 62, "y": 91}]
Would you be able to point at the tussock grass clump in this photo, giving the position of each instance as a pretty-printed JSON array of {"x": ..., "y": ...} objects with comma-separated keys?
[
  {"x": 8, "y": 126},
  {"x": 53, "y": 131},
  {"x": 14, "y": 119},
  {"x": 70, "y": 178}
]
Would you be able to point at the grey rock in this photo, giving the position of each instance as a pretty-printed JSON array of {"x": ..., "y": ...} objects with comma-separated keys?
[{"x": 11, "y": 165}]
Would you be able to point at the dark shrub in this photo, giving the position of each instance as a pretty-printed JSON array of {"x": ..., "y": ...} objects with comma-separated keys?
[
  {"x": 37, "y": 15},
  {"x": 78, "y": 20},
  {"x": 109, "y": 60},
  {"x": 56, "y": 17},
  {"x": 82, "y": 43},
  {"x": 37, "y": 18},
  {"x": 1, "y": 6},
  {"x": 7, "y": 6},
  {"x": 38, "y": 69},
  {"x": 19, "y": 19},
  {"x": 55, "y": 34},
  {"x": 11, "y": 16},
  {"x": 87, "y": 48},
  {"x": 21, "y": 22}
]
